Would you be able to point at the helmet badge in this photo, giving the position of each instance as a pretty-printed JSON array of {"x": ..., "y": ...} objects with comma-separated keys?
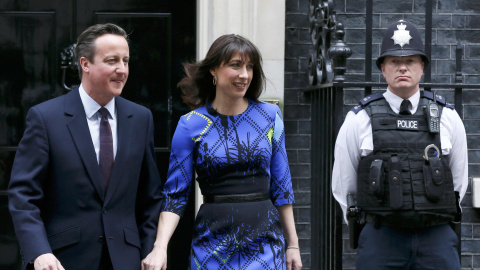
[{"x": 401, "y": 36}]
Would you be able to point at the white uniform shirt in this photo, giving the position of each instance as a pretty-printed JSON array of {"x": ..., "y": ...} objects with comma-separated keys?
[{"x": 355, "y": 141}]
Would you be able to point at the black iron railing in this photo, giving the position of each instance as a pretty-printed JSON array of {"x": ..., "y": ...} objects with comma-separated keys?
[{"x": 326, "y": 68}]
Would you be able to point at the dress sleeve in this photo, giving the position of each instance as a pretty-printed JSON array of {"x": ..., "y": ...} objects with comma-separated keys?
[
  {"x": 181, "y": 171},
  {"x": 281, "y": 191}
]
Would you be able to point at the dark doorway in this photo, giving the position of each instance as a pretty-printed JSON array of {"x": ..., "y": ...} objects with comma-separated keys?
[{"x": 33, "y": 34}]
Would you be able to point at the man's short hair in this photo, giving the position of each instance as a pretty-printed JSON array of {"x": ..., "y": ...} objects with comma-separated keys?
[{"x": 86, "y": 47}]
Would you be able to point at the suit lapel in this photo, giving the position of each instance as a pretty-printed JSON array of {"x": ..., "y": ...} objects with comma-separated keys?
[
  {"x": 124, "y": 130},
  {"x": 78, "y": 127}
]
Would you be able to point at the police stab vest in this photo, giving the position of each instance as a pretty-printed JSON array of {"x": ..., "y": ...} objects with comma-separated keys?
[{"x": 399, "y": 182}]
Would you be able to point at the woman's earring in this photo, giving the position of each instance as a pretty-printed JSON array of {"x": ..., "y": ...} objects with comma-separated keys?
[{"x": 214, "y": 80}]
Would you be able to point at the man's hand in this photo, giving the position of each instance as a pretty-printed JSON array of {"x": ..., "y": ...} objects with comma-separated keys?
[{"x": 47, "y": 262}]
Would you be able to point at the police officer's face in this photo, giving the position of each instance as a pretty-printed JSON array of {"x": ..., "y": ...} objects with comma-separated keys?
[{"x": 403, "y": 74}]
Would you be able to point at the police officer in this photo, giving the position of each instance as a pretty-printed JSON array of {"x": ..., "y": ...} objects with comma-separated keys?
[{"x": 403, "y": 155}]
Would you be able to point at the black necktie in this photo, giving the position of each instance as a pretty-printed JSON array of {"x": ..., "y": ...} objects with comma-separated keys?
[
  {"x": 404, "y": 107},
  {"x": 106, "y": 149}
]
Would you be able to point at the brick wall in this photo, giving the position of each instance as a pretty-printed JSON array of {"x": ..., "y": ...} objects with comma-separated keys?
[
  {"x": 453, "y": 21},
  {"x": 297, "y": 116}
]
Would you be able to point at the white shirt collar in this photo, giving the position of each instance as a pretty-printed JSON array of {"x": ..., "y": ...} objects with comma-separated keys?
[
  {"x": 91, "y": 106},
  {"x": 395, "y": 101}
]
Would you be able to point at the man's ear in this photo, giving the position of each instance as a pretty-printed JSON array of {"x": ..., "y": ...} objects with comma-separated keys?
[{"x": 85, "y": 64}]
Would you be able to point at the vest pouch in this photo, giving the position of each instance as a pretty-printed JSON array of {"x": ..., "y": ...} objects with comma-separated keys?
[
  {"x": 434, "y": 175},
  {"x": 395, "y": 182},
  {"x": 377, "y": 178}
]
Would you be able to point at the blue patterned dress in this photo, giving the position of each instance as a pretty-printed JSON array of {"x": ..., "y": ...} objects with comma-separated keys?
[{"x": 238, "y": 154}]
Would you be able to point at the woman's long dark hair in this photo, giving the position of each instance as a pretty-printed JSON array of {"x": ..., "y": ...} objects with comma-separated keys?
[{"x": 197, "y": 85}]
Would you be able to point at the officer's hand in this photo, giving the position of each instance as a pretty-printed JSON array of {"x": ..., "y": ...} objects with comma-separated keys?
[{"x": 47, "y": 262}]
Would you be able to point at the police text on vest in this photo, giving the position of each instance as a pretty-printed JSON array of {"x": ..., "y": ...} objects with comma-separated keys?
[{"x": 407, "y": 124}]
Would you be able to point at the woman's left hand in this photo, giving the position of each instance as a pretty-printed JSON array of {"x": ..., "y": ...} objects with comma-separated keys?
[{"x": 294, "y": 261}]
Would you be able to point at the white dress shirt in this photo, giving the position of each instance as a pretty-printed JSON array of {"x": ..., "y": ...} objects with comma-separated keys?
[
  {"x": 355, "y": 141},
  {"x": 93, "y": 118}
]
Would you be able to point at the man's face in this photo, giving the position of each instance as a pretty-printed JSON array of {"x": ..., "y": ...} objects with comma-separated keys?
[
  {"x": 403, "y": 74},
  {"x": 104, "y": 78}
]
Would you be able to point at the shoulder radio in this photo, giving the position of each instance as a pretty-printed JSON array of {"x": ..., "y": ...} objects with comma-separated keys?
[{"x": 433, "y": 117}]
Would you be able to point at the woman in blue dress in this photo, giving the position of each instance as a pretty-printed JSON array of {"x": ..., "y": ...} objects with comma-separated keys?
[{"x": 236, "y": 145}]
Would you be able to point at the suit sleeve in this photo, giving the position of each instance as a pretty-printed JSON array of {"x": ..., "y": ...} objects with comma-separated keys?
[
  {"x": 25, "y": 190},
  {"x": 149, "y": 196}
]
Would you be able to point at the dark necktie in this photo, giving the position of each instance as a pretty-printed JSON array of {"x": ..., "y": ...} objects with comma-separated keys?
[
  {"x": 106, "y": 149},
  {"x": 404, "y": 107}
]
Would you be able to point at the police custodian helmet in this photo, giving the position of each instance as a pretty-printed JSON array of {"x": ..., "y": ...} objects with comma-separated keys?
[{"x": 402, "y": 39}]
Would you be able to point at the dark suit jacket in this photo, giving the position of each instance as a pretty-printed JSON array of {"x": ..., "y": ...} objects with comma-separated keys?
[{"x": 55, "y": 194}]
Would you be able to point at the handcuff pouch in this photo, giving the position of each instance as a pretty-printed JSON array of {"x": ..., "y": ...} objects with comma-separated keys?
[
  {"x": 377, "y": 177},
  {"x": 433, "y": 174},
  {"x": 395, "y": 182}
]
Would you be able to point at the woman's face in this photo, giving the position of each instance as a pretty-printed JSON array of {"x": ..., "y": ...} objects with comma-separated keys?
[{"x": 233, "y": 77}]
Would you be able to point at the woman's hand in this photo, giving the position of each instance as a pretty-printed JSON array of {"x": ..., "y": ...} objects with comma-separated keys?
[
  {"x": 156, "y": 260},
  {"x": 294, "y": 261}
]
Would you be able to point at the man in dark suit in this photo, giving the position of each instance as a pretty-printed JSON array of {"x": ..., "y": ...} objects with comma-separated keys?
[{"x": 85, "y": 191}]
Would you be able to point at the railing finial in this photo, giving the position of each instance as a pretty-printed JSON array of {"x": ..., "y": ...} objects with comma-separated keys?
[
  {"x": 339, "y": 52},
  {"x": 324, "y": 27}
]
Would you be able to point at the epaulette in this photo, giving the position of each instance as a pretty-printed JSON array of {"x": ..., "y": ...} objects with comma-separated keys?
[
  {"x": 450, "y": 106},
  {"x": 365, "y": 101},
  {"x": 440, "y": 99},
  {"x": 356, "y": 109}
]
